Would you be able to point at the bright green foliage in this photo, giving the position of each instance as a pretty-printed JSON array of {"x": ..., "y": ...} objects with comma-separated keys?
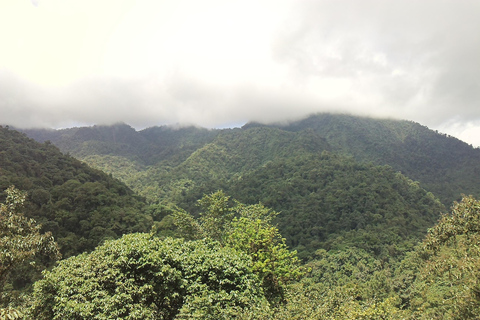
[
  {"x": 448, "y": 285},
  {"x": 348, "y": 284},
  {"x": 247, "y": 229},
  {"x": 217, "y": 215},
  {"x": 252, "y": 232},
  {"x": 142, "y": 277},
  {"x": 463, "y": 220},
  {"x": 187, "y": 226},
  {"x": 10, "y": 314},
  {"x": 20, "y": 237},
  {"x": 20, "y": 241},
  {"x": 305, "y": 301}
]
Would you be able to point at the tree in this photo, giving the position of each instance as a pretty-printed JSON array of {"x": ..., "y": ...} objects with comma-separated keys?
[
  {"x": 248, "y": 229},
  {"x": 448, "y": 285},
  {"x": 141, "y": 276},
  {"x": 252, "y": 232},
  {"x": 20, "y": 238}
]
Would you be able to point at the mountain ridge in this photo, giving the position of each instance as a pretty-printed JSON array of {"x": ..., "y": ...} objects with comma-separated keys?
[
  {"x": 342, "y": 173},
  {"x": 442, "y": 164}
]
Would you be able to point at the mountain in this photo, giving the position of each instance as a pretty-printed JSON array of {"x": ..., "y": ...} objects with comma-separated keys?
[
  {"x": 146, "y": 147},
  {"x": 337, "y": 180},
  {"x": 354, "y": 196},
  {"x": 80, "y": 205},
  {"x": 442, "y": 164}
]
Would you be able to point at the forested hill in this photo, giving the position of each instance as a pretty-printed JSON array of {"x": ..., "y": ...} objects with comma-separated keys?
[
  {"x": 442, "y": 164},
  {"x": 327, "y": 198},
  {"x": 80, "y": 205},
  {"x": 343, "y": 194},
  {"x": 146, "y": 147}
]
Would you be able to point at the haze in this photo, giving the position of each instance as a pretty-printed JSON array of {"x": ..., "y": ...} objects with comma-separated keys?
[{"x": 218, "y": 63}]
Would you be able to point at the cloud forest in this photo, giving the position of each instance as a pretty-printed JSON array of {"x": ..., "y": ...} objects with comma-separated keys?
[{"x": 328, "y": 217}]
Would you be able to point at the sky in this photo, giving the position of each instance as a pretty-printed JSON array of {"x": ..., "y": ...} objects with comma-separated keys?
[{"x": 222, "y": 63}]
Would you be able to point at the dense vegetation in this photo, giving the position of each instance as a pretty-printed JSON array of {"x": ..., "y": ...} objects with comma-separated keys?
[
  {"x": 330, "y": 202},
  {"x": 338, "y": 188},
  {"x": 443, "y": 165},
  {"x": 143, "y": 277},
  {"x": 326, "y": 175},
  {"x": 80, "y": 205}
]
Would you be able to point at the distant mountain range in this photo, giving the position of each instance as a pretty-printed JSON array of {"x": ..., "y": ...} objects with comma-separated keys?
[
  {"x": 337, "y": 180},
  {"x": 444, "y": 165}
]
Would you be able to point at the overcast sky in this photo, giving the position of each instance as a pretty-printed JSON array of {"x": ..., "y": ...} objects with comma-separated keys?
[{"x": 220, "y": 63}]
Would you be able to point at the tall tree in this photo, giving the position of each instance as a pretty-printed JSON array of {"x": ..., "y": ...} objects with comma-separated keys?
[
  {"x": 141, "y": 276},
  {"x": 448, "y": 285},
  {"x": 248, "y": 229},
  {"x": 20, "y": 240}
]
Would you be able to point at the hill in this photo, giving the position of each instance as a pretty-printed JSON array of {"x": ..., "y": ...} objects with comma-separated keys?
[
  {"x": 334, "y": 179},
  {"x": 442, "y": 164},
  {"x": 346, "y": 198},
  {"x": 80, "y": 205}
]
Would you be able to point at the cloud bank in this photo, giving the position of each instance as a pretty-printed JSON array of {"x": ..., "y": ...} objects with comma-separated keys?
[{"x": 215, "y": 63}]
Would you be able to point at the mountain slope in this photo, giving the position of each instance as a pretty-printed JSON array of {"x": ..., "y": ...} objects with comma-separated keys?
[
  {"x": 332, "y": 202},
  {"x": 442, "y": 164},
  {"x": 337, "y": 180},
  {"x": 82, "y": 206}
]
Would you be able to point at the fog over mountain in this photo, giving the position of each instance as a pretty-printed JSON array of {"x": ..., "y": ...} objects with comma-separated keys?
[{"x": 222, "y": 63}]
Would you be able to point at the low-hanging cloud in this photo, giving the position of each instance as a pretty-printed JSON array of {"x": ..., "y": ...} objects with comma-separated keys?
[{"x": 268, "y": 61}]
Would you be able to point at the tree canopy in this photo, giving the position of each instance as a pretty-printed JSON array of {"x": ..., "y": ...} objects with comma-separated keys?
[
  {"x": 141, "y": 276},
  {"x": 247, "y": 229}
]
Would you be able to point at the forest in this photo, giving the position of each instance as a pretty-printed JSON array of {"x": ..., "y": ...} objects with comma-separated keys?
[{"x": 329, "y": 217}]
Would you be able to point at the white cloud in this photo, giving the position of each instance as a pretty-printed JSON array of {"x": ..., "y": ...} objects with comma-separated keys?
[{"x": 215, "y": 62}]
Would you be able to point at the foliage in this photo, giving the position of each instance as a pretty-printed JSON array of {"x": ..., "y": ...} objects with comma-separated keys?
[
  {"x": 252, "y": 232},
  {"x": 448, "y": 285},
  {"x": 341, "y": 184},
  {"x": 247, "y": 229},
  {"x": 20, "y": 242},
  {"x": 143, "y": 277},
  {"x": 79, "y": 205},
  {"x": 442, "y": 164},
  {"x": 333, "y": 202},
  {"x": 326, "y": 199}
]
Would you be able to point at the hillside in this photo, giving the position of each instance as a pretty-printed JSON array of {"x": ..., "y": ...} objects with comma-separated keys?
[
  {"x": 334, "y": 179},
  {"x": 340, "y": 196},
  {"x": 442, "y": 164},
  {"x": 80, "y": 205},
  {"x": 333, "y": 203}
]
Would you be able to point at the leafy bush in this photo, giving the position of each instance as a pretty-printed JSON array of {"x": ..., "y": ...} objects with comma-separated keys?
[{"x": 142, "y": 277}]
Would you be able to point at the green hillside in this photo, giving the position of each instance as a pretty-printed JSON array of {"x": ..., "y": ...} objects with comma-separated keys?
[
  {"x": 325, "y": 174},
  {"x": 354, "y": 196},
  {"x": 332, "y": 202},
  {"x": 442, "y": 164},
  {"x": 80, "y": 205}
]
